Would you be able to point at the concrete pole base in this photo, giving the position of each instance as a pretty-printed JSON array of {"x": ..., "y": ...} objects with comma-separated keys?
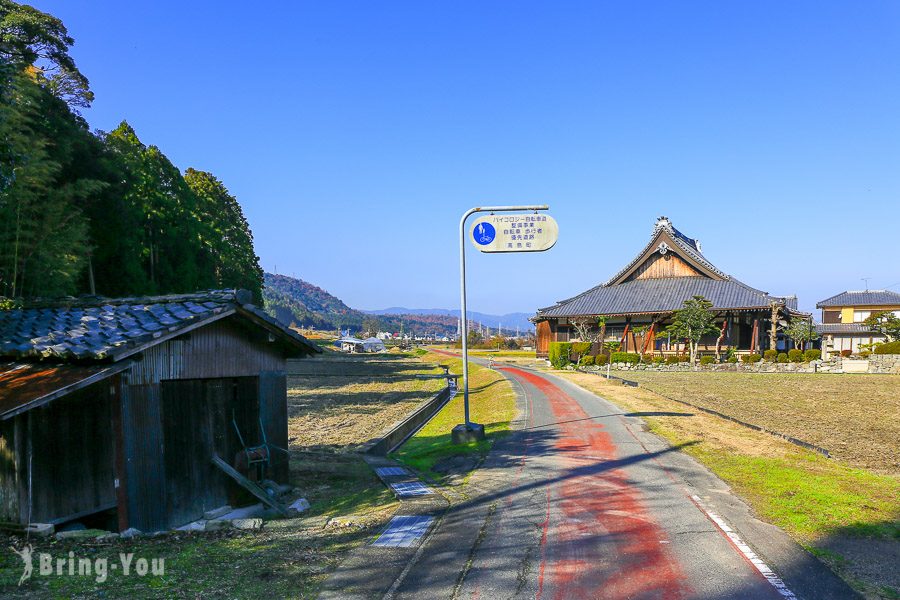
[{"x": 463, "y": 435}]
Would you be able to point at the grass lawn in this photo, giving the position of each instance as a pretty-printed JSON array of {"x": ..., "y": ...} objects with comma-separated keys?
[
  {"x": 845, "y": 514},
  {"x": 492, "y": 402},
  {"x": 335, "y": 404},
  {"x": 855, "y": 417}
]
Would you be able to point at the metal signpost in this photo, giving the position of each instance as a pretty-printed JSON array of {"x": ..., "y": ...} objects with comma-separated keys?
[{"x": 530, "y": 232}]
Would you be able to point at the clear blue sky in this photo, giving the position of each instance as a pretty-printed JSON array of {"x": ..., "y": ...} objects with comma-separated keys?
[{"x": 355, "y": 134}]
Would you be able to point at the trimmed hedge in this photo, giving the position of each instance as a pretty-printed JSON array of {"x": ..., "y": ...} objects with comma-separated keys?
[
  {"x": 558, "y": 354},
  {"x": 586, "y": 361},
  {"x": 581, "y": 348},
  {"x": 601, "y": 360},
  {"x": 672, "y": 360},
  {"x": 732, "y": 359},
  {"x": 770, "y": 355},
  {"x": 783, "y": 357},
  {"x": 625, "y": 357},
  {"x": 751, "y": 358},
  {"x": 658, "y": 360},
  {"x": 888, "y": 348},
  {"x": 707, "y": 360},
  {"x": 795, "y": 355},
  {"x": 812, "y": 354}
]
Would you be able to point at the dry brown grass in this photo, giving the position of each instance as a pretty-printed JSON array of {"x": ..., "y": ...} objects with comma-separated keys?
[
  {"x": 337, "y": 403},
  {"x": 855, "y": 417}
]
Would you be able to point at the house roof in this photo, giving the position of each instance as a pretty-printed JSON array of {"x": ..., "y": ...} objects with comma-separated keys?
[
  {"x": 844, "y": 328},
  {"x": 622, "y": 295},
  {"x": 866, "y": 298},
  {"x": 105, "y": 329}
]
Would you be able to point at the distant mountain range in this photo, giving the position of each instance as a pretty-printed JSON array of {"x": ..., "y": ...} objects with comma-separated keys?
[
  {"x": 508, "y": 321},
  {"x": 292, "y": 300}
]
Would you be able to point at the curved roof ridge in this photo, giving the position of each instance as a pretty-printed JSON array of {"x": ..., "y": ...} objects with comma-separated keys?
[{"x": 689, "y": 245}]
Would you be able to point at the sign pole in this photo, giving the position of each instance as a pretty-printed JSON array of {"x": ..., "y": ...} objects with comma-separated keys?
[{"x": 470, "y": 431}]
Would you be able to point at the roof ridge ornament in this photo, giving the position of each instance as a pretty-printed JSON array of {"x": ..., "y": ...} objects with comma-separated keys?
[
  {"x": 663, "y": 221},
  {"x": 663, "y": 248}
]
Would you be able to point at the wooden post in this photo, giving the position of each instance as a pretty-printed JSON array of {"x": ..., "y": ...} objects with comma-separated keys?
[
  {"x": 623, "y": 343},
  {"x": 649, "y": 337},
  {"x": 121, "y": 478},
  {"x": 754, "y": 336}
]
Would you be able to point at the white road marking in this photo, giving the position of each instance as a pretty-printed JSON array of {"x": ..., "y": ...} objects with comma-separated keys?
[{"x": 754, "y": 559}]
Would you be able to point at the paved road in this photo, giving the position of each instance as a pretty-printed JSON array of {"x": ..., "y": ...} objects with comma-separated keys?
[{"x": 582, "y": 502}]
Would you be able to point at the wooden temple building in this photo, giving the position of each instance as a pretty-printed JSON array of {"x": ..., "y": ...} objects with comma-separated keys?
[{"x": 639, "y": 301}]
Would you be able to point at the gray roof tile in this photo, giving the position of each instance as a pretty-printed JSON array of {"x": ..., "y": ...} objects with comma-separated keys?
[
  {"x": 98, "y": 328},
  {"x": 863, "y": 298}
]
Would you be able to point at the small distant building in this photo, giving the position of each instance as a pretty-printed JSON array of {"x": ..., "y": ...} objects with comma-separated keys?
[
  {"x": 350, "y": 344},
  {"x": 111, "y": 410},
  {"x": 842, "y": 328},
  {"x": 373, "y": 344},
  {"x": 639, "y": 301}
]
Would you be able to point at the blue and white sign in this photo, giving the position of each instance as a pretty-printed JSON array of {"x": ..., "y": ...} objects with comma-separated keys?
[
  {"x": 483, "y": 233},
  {"x": 515, "y": 232}
]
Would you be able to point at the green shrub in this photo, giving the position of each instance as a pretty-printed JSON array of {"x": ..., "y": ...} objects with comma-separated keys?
[
  {"x": 684, "y": 358},
  {"x": 707, "y": 360},
  {"x": 751, "y": 358},
  {"x": 624, "y": 357},
  {"x": 672, "y": 360},
  {"x": 770, "y": 355},
  {"x": 795, "y": 355},
  {"x": 864, "y": 354},
  {"x": 658, "y": 360},
  {"x": 732, "y": 359},
  {"x": 558, "y": 354},
  {"x": 581, "y": 348},
  {"x": 601, "y": 360},
  {"x": 586, "y": 360},
  {"x": 888, "y": 348},
  {"x": 812, "y": 354},
  {"x": 783, "y": 357}
]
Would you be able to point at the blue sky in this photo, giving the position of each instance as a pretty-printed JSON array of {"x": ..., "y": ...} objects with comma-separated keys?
[{"x": 355, "y": 134}]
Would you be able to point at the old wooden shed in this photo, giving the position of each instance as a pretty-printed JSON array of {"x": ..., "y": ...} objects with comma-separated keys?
[{"x": 111, "y": 410}]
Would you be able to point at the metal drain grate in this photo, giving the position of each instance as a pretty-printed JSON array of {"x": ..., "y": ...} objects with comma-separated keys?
[
  {"x": 412, "y": 488},
  {"x": 391, "y": 471},
  {"x": 404, "y": 531}
]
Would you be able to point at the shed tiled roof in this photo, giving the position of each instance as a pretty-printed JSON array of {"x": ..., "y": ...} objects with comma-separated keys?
[
  {"x": 844, "y": 328},
  {"x": 866, "y": 298},
  {"x": 103, "y": 329},
  {"x": 659, "y": 295}
]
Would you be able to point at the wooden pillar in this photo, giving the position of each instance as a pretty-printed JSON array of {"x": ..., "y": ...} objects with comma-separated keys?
[{"x": 754, "y": 338}]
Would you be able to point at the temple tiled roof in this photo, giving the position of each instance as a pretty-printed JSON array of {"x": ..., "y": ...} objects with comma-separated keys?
[
  {"x": 659, "y": 295},
  {"x": 866, "y": 298},
  {"x": 92, "y": 329},
  {"x": 621, "y": 295}
]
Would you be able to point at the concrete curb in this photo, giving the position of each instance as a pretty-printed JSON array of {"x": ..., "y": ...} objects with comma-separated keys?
[{"x": 403, "y": 430}]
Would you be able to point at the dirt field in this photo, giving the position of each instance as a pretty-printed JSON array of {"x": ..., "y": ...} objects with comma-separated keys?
[{"x": 855, "y": 417}]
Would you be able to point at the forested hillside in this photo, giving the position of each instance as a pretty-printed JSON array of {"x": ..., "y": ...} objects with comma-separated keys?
[
  {"x": 293, "y": 300},
  {"x": 98, "y": 212}
]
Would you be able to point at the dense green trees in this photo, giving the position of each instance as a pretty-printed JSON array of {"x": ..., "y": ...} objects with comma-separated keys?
[{"x": 83, "y": 212}]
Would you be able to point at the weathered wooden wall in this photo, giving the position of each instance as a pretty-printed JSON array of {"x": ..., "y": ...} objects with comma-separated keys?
[{"x": 73, "y": 456}]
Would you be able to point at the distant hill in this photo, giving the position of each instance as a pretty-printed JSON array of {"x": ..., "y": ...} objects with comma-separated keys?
[
  {"x": 509, "y": 321},
  {"x": 292, "y": 300}
]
